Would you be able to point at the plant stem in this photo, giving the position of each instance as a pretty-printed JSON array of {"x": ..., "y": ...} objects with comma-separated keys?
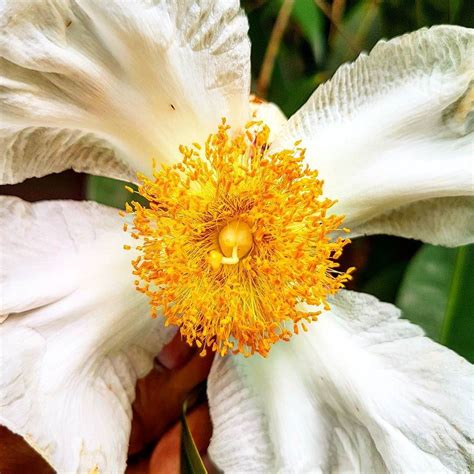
[{"x": 273, "y": 47}]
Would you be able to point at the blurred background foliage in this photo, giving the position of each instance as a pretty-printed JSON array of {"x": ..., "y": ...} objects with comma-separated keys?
[{"x": 297, "y": 45}]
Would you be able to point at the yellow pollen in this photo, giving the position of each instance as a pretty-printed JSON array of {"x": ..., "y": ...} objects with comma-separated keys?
[{"x": 233, "y": 239}]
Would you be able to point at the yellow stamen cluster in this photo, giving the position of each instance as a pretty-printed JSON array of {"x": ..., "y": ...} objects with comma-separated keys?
[{"x": 234, "y": 237}]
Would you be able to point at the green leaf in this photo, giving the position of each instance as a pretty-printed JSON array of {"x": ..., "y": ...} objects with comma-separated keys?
[
  {"x": 191, "y": 462},
  {"x": 384, "y": 284},
  {"x": 458, "y": 323},
  {"x": 111, "y": 192},
  {"x": 311, "y": 21},
  {"x": 361, "y": 28},
  {"x": 289, "y": 94},
  {"x": 108, "y": 191},
  {"x": 453, "y": 10},
  {"x": 401, "y": 16},
  {"x": 437, "y": 293}
]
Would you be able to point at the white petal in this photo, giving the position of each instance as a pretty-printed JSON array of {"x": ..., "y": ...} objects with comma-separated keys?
[
  {"x": 439, "y": 221},
  {"x": 393, "y": 128},
  {"x": 137, "y": 77},
  {"x": 362, "y": 391},
  {"x": 77, "y": 336},
  {"x": 37, "y": 151},
  {"x": 269, "y": 113}
]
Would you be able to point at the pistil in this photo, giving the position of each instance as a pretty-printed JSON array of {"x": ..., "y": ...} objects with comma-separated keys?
[{"x": 235, "y": 242}]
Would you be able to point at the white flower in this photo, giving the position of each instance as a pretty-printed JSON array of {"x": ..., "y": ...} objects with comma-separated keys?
[{"x": 103, "y": 86}]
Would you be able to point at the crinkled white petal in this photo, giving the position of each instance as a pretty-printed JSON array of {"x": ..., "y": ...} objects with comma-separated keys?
[
  {"x": 394, "y": 129},
  {"x": 439, "y": 221},
  {"x": 133, "y": 78},
  {"x": 77, "y": 334},
  {"x": 361, "y": 391}
]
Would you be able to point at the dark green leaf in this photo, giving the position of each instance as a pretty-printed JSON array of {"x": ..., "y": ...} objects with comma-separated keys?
[
  {"x": 400, "y": 16},
  {"x": 107, "y": 191},
  {"x": 360, "y": 30},
  {"x": 454, "y": 7},
  {"x": 111, "y": 192},
  {"x": 437, "y": 293},
  {"x": 385, "y": 283},
  {"x": 423, "y": 294},
  {"x": 311, "y": 21},
  {"x": 458, "y": 323},
  {"x": 191, "y": 462}
]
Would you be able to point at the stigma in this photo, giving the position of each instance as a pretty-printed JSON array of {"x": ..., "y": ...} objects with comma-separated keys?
[
  {"x": 235, "y": 242},
  {"x": 234, "y": 237}
]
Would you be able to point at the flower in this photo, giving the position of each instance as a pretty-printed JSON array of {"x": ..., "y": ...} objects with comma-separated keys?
[{"x": 103, "y": 87}]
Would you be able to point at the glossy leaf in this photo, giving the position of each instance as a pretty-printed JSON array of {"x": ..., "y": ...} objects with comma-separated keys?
[
  {"x": 437, "y": 293},
  {"x": 458, "y": 324}
]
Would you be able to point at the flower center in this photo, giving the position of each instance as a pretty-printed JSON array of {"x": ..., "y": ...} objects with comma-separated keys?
[{"x": 233, "y": 239}]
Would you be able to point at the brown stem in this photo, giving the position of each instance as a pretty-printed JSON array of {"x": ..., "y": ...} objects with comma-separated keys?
[{"x": 273, "y": 47}]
